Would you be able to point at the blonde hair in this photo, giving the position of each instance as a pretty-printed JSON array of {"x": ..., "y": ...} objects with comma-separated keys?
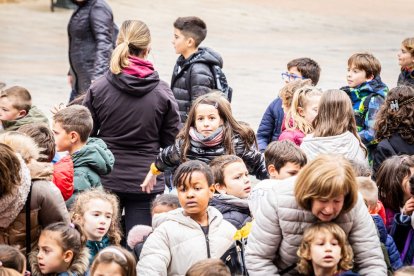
[
  {"x": 300, "y": 100},
  {"x": 304, "y": 252},
  {"x": 408, "y": 43},
  {"x": 21, "y": 144},
  {"x": 78, "y": 210},
  {"x": 335, "y": 116},
  {"x": 327, "y": 176},
  {"x": 134, "y": 37},
  {"x": 19, "y": 97},
  {"x": 369, "y": 191},
  {"x": 118, "y": 255},
  {"x": 287, "y": 91}
]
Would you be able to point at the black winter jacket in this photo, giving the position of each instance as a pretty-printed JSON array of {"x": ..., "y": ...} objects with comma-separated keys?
[
  {"x": 406, "y": 78},
  {"x": 135, "y": 117},
  {"x": 91, "y": 30},
  {"x": 171, "y": 156},
  {"x": 192, "y": 78},
  {"x": 234, "y": 210}
]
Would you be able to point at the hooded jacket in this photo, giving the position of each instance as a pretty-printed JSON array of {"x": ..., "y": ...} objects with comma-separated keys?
[
  {"x": 33, "y": 116},
  {"x": 278, "y": 229},
  {"x": 92, "y": 161},
  {"x": 178, "y": 242},
  {"x": 136, "y": 115},
  {"x": 192, "y": 77},
  {"x": 406, "y": 77},
  {"x": 63, "y": 176},
  {"x": 270, "y": 126},
  {"x": 235, "y": 210},
  {"x": 346, "y": 144}
]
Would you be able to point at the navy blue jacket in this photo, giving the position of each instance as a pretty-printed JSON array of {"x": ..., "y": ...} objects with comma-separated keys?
[
  {"x": 234, "y": 210},
  {"x": 271, "y": 125},
  {"x": 403, "y": 234}
]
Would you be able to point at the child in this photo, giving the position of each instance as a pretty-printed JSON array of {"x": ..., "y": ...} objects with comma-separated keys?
[
  {"x": 301, "y": 71},
  {"x": 16, "y": 109},
  {"x": 406, "y": 61},
  {"x": 208, "y": 267},
  {"x": 405, "y": 271},
  {"x": 43, "y": 136},
  {"x": 325, "y": 251},
  {"x": 283, "y": 159},
  {"x": 232, "y": 186},
  {"x": 367, "y": 93},
  {"x": 91, "y": 157},
  {"x": 192, "y": 76},
  {"x": 195, "y": 228},
  {"x": 11, "y": 257},
  {"x": 114, "y": 261},
  {"x": 395, "y": 134},
  {"x": 164, "y": 203},
  {"x": 335, "y": 131},
  {"x": 61, "y": 251},
  {"x": 97, "y": 212},
  {"x": 210, "y": 131},
  {"x": 302, "y": 112}
]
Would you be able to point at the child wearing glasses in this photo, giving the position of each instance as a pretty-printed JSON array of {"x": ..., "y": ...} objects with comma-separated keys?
[{"x": 301, "y": 71}]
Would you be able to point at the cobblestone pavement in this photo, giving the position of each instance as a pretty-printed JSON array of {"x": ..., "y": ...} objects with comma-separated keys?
[{"x": 255, "y": 37}]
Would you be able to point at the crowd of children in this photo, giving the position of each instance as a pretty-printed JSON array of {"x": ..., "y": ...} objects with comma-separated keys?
[{"x": 83, "y": 196}]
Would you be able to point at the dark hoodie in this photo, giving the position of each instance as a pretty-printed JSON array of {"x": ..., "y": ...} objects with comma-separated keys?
[
  {"x": 197, "y": 68},
  {"x": 135, "y": 113}
]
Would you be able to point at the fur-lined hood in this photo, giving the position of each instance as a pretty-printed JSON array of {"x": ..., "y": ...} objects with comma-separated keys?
[{"x": 79, "y": 266}]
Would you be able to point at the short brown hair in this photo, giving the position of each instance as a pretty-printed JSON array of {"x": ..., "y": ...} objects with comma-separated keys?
[
  {"x": 12, "y": 258},
  {"x": 192, "y": 26},
  {"x": 366, "y": 62},
  {"x": 278, "y": 153},
  {"x": 408, "y": 43},
  {"x": 208, "y": 267},
  {"x": 75, "y": 118},
  {"x": 19, "y": 96},
  {"x": 218, "y": 165},
  {"x": 327, "y": 176},
  {"x": 10, "y": 170},
  {"x": 43, "y": 136},
  {"x": 118, "y": 255},
  {"x": 308, "y": 68},
  {"x": 287, "y": 91}
]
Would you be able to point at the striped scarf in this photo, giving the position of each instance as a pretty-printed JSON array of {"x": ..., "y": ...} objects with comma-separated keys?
[{"x": 216, "y": 138}]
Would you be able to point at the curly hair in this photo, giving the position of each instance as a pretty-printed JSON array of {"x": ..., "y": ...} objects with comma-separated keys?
[
  {"x": 10, "y": 170},
  {"x": 304, "y": 251},
  {"x": 79, "y": 209},
  {"x": 390, "y": 121}
]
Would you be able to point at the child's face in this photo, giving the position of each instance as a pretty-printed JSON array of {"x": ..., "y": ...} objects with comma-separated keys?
[
  {"x": 236, "y": 180},
  {"x": 97, "y": 219},
  {"x": 51, "y": 258},
  {"x": 8, "y": 112},
  {"x": 63, "y": 140},
  {"x": 207, "y": 119},
  {"x": 195, "y": 195},
  {"x": 180, "y": 42},
  {"x": 108, "y": 269},
  {"x": 356, "y": 77},
  {"x": 405, "y": 59},
  {"x": 327, "y": 209},
  {"x": 325, "y": 251},
  {"x": 288, "y": 170},
  {"x": 294, "y": 74},
  {"x": 406, "y": 185},
  {"x": 310, "y": 110}
]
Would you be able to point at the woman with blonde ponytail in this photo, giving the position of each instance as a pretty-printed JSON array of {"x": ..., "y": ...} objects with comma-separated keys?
[{"x": 136, "y": 114}]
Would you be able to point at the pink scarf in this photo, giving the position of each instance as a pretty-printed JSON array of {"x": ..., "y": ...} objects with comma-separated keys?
[
  {"x": 139, "y": 68},
  {"x": 216, "y": 138}
]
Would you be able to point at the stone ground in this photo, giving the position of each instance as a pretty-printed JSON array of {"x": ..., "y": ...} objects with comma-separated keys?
[{"x": 255, "y": 37}]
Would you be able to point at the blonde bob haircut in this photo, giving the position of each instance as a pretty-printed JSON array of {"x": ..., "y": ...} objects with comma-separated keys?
[
  {"x": 327, "y": 176},
  {"x": 304, "y": 251}
]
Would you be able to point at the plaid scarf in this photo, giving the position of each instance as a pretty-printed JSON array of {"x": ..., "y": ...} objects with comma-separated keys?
[{"x": 216, "y": 138}]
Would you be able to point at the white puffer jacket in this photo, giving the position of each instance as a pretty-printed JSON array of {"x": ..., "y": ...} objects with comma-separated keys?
[
  {"x": 278, "y": 229},
  {"x": 178, "y": 242}
]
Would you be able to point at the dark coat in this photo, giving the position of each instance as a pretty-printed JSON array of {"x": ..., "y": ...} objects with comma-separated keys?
[
  {"x": 91, "y": 30},
  {"x": 192, "y": 78},
  {"x": 270, "y": 127},
  {"x": 234, "y": 210},
  {"x": 406, "y": 78},
  {"x": 135, "y": 117},
  {"x": 403, "y": 233}
]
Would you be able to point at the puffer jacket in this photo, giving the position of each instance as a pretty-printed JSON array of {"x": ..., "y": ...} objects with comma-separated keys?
[
  {"x": 178, "y": 242},
  {"x": 170, "y": 157},
  {"x": 63, "y": 176},
  {"x": 278, "y": 229},
  {"x": 90, "y": 162},
  {"x": 402, "y": 232},
  {"x": 346, "y": 144},
  {"x": 235, "y": 210},
  {"x": 270, "y": 126},
  {"x": 91, "y": 31},
  {"x": 96, "y": 246},
  {"x": 294, "y": 135},
  {"x": 35, "y": 115},
  {"x": 192, "y": 77},
  {"x": 406, "y": 77},
  {"x": 78, "y": 267}
]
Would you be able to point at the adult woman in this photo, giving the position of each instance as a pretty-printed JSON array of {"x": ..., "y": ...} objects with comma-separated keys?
[
  {"x": 325, "y": 190},
  {"x": 135, "y": 113},
  {"x": 91, "y": 30},
  {"x": 17, "y": 189}
]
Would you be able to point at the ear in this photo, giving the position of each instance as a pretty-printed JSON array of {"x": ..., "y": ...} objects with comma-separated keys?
[
  {"x": 272, "y": 171},
  {"x": 74, "y": 137},
  {"x": 211, "y": 191},
  {"x": 370, "y": 78},
  {"x": 77, "y": 218},
  {"x": 190, "y": 42},
  {"x": 220, "y": 188},
  {"x": 68, "y": 256},
  {"x": 21, "y": 114},
  {"x": 301, "y": 111}
]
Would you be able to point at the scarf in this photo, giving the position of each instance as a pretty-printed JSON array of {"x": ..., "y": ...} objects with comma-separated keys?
[
  {"x": 138, "y": 67},
  {"x": 407, "y": 72},
  {"x": 216, "y": 138}
]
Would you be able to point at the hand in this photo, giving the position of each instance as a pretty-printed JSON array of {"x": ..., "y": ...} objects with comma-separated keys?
[
  {"x": 149, "y": 182},
  {"x": 408, "y": 207},
  {"x": 57, "y": 108}
]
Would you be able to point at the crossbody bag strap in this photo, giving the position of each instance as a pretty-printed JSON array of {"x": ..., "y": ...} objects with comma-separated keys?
[{"x": 28, "y": 225}]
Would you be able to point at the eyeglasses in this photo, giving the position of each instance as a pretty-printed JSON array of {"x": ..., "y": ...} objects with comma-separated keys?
[{"x": 290, "y": 77}]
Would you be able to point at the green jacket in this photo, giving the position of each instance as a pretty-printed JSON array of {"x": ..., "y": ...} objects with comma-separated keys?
[
  {"x": 34, "y": 116},
  {"x": 90, "y": 162}
]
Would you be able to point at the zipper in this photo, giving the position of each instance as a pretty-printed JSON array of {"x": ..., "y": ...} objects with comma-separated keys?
[{"x": 207, "y": 239}]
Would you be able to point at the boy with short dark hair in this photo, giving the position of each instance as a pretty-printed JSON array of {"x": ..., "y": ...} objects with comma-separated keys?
[
  {"x": 192, "y": 75},
  {"x": 367, "y": 93},
  {"x": 91, "y": 157},
  {"x": 303, "y": 68},
  {"x": 43, "y": 136},
  {"x": 16, "y": 109}
]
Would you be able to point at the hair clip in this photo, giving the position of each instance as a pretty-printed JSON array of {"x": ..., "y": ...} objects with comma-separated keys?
[
  {"x": 394, "y": 105},
  {"x": 71, "y": 225},
  {"x": 216, "y": 105}
]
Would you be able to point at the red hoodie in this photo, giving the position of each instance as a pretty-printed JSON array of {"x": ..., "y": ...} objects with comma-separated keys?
[{"x": 63, "y": 176}]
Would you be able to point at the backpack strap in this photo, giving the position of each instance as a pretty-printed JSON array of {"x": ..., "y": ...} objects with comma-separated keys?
[{"x": 28, "y": 226}]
